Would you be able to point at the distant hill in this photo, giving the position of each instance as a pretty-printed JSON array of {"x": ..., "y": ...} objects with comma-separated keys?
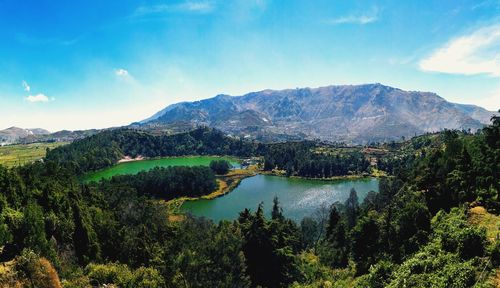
[
  {"x": 13, "y": 134},
  {"x": 350, "y": 113}
]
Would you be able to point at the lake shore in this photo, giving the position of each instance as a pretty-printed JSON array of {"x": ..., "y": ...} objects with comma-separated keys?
[
  {"x": 130, "y": 159},
  {"x": 334, "y": 178},
  {"x": 227, "y": 183}
]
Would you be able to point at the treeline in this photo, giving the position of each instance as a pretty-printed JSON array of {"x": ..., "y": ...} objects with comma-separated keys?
[
  {"x": 301, "y": 159},
  {"x": 296, "y": 158},
  {"x": 415, "y": 231},
  {"x": 405, "y": 235},
  {"x": 106, "y": 148},
  {"x": 166, "y": 183}
]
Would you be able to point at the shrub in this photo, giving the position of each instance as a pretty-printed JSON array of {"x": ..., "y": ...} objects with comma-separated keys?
[
  {"x": 37, "y": 271},
  {"x": 220, "y": 167}
]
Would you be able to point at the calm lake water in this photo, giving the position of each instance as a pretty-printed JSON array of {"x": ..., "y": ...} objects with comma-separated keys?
[
  {"x": 135, "y": 167},
  {"x": 298, "y": 197}
]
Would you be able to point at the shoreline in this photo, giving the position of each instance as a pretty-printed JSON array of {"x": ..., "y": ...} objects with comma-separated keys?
[
  {"x": 334, "y": 178},
  {"x": 127, "y": 159},
  {"x": 130, "y": 159},
  {"x": 242, "y": 174},
  {"x": 227, "y": 183}
]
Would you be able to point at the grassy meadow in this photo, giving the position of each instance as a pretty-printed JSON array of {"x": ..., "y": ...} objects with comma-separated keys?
[{"x": 20, "y": 154}]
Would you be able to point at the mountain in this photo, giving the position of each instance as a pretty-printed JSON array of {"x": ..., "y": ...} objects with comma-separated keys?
[
  {"x": 350, "y": 113},
  {"x": 361, "y": 113},
  {"x": 13, "y": 134}
]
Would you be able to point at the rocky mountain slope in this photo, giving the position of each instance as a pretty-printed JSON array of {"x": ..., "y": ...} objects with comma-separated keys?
[
  {"x": 350, "y": 113},
  {"x": 13, "y": 134}
]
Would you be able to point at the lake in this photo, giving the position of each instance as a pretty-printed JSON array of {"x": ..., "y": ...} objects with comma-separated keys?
[
  {"x": 134, "y": 167},
  {"x": 298, "y": 197}
]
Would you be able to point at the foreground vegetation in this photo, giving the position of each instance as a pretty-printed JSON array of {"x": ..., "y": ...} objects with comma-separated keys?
[{"x": 418, "y": 231}]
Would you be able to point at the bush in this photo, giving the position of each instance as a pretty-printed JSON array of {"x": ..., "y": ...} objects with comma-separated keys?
[
  {"x": 220, "y": 167},
  {"x": 432, "y": 267},
  {"x": 457, "y": 235},
  {"x": 37, "y": 271},
  {"x": 379, "y": 275},
  {"x": 122, "y": 276},
  {"x": 114, "y": 273}
]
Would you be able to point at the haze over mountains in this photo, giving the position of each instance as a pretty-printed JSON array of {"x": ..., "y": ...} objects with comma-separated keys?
[
  {"x": 13, "y": 134},
  {"x": 350, "y": 113}
]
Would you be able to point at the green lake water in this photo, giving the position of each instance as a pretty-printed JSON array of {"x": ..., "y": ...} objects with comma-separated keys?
[
  {"x": 135, "y": 167},
  {"x": 298, "y": 197}
]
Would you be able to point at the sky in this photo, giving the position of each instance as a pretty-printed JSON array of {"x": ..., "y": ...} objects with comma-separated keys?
[{"x": 96, "y": 64}]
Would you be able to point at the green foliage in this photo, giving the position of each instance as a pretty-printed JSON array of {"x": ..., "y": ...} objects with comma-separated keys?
[
  {"x": 379, "y": 275},
  {"x": 458, "y": 236},
  {"x": 435, "y": 268},
  {"x": 270, "y": 249},
  {"x": 351, "y": 207},
  {"x": 335, "y": 248},
  {"x": 122, "y": 276},
  {"x": 299, "y": 158},
  {"x": 34, "y": 271},
  {"x": 33, "y": 227},
  {"x": 167, "y": 183},
  {"x": 388, "y": 241},
  {"x": 106, "y": 148},
  {"x": 84, "y": 238},
  {"x": 210, "y": 256},
  {"x": 220, "y": 167},
  {"x": 309, "y": 232},
  {"x": 365, "y": 242}
]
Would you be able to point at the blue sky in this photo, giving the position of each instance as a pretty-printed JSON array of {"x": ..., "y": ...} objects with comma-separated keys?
[{"x": 95, "y": 64}]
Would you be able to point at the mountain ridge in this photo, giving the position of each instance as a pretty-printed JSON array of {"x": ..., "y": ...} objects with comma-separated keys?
[
  {"x": 350, "y": 113},
  {"x": 13, "y": 134}
]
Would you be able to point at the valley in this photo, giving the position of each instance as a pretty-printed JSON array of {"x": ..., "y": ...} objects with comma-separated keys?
[
  {"x": 250, "y": 144},
  {"x": 249, "y": 225}
]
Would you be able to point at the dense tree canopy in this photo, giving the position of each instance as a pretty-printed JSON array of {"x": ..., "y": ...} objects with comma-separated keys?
[{"x": 414, "y": 232}]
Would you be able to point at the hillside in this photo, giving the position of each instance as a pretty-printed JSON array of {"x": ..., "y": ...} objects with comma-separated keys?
[
  {"x": 350, "y": 113},
  {"x": 13, "y": 134}
]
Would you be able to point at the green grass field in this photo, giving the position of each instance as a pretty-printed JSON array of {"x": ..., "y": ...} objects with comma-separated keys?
[
  {"x": 15, "y": 155},
  {"x": 135, "y": 167}
]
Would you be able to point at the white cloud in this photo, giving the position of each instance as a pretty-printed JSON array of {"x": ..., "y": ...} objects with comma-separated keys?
[
  {"x": 359, "y": 18},
  {"x": 188, "y": 6},
  {"x": 490, "y": 102},
  {"x": 38, "y": 98},
  {"x": 26, "y": 87},
  {"x": 121, "y": 72},
  {"x": 471, "y": 54}
]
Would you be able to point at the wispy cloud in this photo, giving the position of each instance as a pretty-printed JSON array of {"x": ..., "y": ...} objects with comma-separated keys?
[
  {"x": 359, "y": 18},
  {"x": 491, "y": 101},
  {"x": 38, "y": 98},
  {"x": 188, "y": 6},
  {"x": 121, "y": 72},
  {"x": 26, "y": 87},
  {"x": 471, "y": 54}
]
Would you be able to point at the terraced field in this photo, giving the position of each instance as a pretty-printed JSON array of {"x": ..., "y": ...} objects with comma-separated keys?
[{"x": 15, "y": 155}]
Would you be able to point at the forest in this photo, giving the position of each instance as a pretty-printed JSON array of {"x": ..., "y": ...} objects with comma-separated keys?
[
  {"x": 58, "y": 232},
  {"x": 106, "y": 148},
  {"x": 299, "y": 158},
  {"x": 295, "y": 158},
  {"x": 167, "y": 183}
]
